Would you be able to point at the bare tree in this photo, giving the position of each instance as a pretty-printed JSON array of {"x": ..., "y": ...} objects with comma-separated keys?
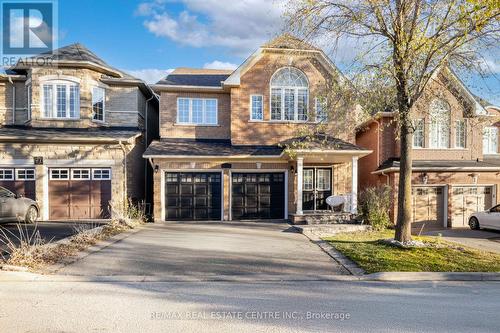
[{"x": 404, "y": 43}]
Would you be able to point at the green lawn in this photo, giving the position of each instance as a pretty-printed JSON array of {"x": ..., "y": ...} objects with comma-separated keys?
[{"x": 372, "y": 256}]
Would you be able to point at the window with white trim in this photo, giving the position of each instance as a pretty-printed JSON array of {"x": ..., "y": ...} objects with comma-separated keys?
[
  {"x": 256, "y": 107},
  {"x": 61, "y": 99},
  {"x": 321, "y": 111},
  {"x": 59, "y": 174},
  {"x": 101, "y": 174},
  {"x": 25, "y": 174},
  {"x": 6, "y": 174},
  {"x": 323, "y": 183},
  {"x": 308, "y": 180},
  {"x": 98, "y": 103},
  {"x": 80, "y": 174},
  {"x": 418, "y": 134},
  {"x": 197, "y": 111},
  {"x": 440, "y": 124},
  {"x": 289, "y": 95},
  {"x": 490, "y": 140},
  {"x": 460, "y": 133}
]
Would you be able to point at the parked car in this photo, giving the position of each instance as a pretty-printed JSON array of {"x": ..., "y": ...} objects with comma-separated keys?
[
  {"x": 489, "y": 219},
  {"x": 14, "y": 208}
]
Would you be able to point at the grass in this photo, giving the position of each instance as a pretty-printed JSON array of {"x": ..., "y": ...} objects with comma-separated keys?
[{"x": 365, "y": 249}]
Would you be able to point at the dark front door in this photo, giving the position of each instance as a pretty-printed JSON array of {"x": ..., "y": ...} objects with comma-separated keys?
[
  {"x": 316, "y": 187},
  {"x": 193, "y": 196},
  {"x": 258, "y": 196}
]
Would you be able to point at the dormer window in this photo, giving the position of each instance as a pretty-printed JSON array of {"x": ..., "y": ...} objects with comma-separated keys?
[
  {"x": 289, "y": 95},
  {"x": 60, "y": 100}
]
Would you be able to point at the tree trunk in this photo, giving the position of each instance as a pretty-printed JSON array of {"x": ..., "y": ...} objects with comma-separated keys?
[{"x": 403, "y": 224}]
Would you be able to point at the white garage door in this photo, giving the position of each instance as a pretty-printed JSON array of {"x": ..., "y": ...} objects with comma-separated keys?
[
  {"x": 428, "y": 206},
  {"x": 466, "y": 200}
]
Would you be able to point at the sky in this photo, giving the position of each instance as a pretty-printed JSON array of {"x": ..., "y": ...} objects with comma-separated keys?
[{"x": 149, "y": 38}]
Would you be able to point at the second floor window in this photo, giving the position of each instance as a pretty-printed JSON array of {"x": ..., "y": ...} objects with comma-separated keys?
[
  {"x": 256, "y": 107},
  {"x": 98, "y": 96},
  {"x": 321, "y": 112},
  {"x": 418, "y": 135},
  {"x": 289, "y": 95},
  {"x": 61, "y": 99},
  {"x": 460, "y": 133},
  {"x": 440, "y": 124},
  {"x": 490, "y": 140},
  {"x": 197, "y": 111}
]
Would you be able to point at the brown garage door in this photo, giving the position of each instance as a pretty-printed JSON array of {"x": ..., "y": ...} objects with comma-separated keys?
[
  {"x": 428, "y": 206},
  {"x": 19, "y": 181},
  {"x": 81, "y": 193},
  {"x": 466, "y": 200}
]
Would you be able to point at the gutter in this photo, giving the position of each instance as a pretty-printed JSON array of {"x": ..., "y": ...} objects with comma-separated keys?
[
  {"x": 456, "y": 169},
  {"x": 146, "y": 143}
]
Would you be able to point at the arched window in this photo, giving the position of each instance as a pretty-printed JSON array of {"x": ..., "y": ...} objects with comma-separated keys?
[
  {"x": 440, "y": 124},
  {"x": 289, "y": 95},
  {"x": 60, "y": 99}
]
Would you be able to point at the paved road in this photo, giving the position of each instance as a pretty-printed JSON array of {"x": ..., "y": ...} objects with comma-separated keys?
[
  {"x": 486, "y": 240},
  {"x": 146, "y": 307},
  {"x": 211, "y": 250}
]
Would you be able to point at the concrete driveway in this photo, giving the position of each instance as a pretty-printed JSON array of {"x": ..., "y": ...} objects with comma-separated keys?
[
  {"x": 485, "y": 240},
  {"x": 206, "y": 251}
]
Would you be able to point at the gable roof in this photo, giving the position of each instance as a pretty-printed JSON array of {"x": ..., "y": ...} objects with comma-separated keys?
[{"x": 287, "y": 41}]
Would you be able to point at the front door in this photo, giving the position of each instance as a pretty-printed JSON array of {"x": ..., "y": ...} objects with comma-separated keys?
[{"x": 316, "y": 187}]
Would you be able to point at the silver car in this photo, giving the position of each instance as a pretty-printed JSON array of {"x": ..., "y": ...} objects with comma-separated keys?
[
  {"x": 489, "y": 219},
  {"x": 15, "y": 208}
]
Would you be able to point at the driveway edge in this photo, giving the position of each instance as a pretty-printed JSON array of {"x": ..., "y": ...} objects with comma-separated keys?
[
  {"x": 341, "y": 259},
  {"x": 90, "y": 250}
]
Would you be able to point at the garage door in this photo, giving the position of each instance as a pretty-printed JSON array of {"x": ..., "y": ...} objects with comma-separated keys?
[
  {"x": 82, "y": 193},
  {"x": 258, "y": 196},
  {"x": 466, "y": 200},
  {"x": 19, "y": 181},
  {"x": 428, "y": 206},
  {"x": 193, "y": 196}
]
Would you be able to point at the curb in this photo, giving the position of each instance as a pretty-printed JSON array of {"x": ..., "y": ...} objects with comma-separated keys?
[
  {"x": 430, "y": 276},
  {"x": 90, "y": 250},
  {"x": 341, "y": 259}
]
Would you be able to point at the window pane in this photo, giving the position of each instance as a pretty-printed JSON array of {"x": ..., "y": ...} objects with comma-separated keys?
[
  {"x": 418, "y": 135},
  {"x": 302, "y": 104},
  {"x": 61, "y": 101},
  {"x": 276, "y": 104},
  {"x": 308, "y": 180},
  {"x": 98, "y": 103},
  {"x": 74, "y": 94},
  {"x": 289, "y": 104},
  {"x": 323, "y": 182},
  {"x": 47, "y": 100},
  {"x": 440, "y": 120},
  {"x": 211, "y": 111},
  {"x": 183, "y": 110},
  {"x": 197, "y": 111},
  {"x": 460, "y": 134},
  {"x": 6, "y": 174},
  {"x": 321, "y": 114},
  {"x": 490, "y": 140},
  {"x": 257, "y": 106}
]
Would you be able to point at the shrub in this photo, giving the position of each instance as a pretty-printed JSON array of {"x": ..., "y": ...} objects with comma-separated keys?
[{"x": 374, "y": 205}]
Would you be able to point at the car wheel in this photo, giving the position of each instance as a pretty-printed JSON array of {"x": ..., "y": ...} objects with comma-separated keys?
[
  {"x": 474, "y": 223},
  {"x": 31, "y": 215}
]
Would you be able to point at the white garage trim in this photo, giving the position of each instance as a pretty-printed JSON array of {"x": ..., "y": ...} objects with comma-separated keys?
[
  {"x": 162, "y": 190},
  {"x": 285, "y": 171}
]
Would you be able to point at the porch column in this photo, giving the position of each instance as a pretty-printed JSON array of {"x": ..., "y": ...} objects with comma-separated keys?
[
  {"x": 354, "y": 195},
  {"x": 300, "y": 173}
]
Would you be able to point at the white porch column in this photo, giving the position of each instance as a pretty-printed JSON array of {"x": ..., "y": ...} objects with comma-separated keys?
[
  {"x": 354, "y": 198},
  {"x": 300, "y": 174}
]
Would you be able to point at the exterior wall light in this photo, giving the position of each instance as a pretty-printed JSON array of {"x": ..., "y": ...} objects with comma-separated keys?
[
  {"x": 425, "y": 178},
  {"x": 157, "y": 168}
]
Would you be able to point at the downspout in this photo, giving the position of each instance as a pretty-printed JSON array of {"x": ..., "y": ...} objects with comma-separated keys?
[
  {"x": 125, "y": 191},
  {"x": 146, "y": 144}
]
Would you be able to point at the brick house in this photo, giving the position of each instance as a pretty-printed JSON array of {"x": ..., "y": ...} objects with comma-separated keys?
[
  {"x": 73, "y": 132},
  {"x": 456, "y": 156},
  {"x": 221, "y": 151}
]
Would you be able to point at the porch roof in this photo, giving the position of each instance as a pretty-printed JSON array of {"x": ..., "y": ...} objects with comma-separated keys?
[{"x": 392, "y": 165}]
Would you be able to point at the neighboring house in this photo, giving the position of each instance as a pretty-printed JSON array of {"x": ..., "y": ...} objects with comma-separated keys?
[
  {"x": 72, "y": 133},
  {"x": 221, "y": 153},
  {"x": 456, "y": 160}
]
